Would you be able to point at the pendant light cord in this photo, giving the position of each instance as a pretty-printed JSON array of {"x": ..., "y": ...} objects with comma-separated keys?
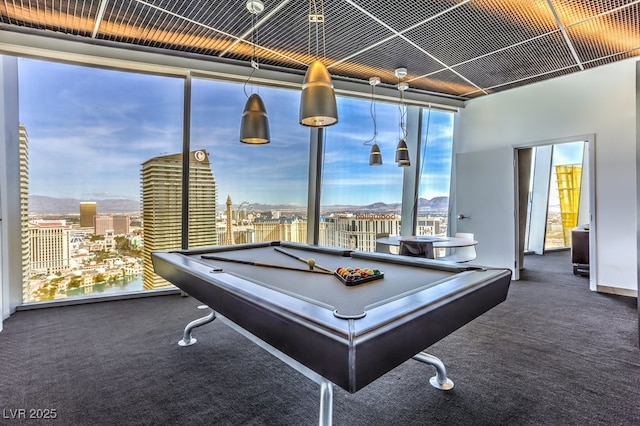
[
  {"x": 324, "y": 45},
  {"x": 372, "y": 111},
  {"x": 313, "y": 11},
  {"x": 254, "y": 40},
  {"x": 403, "y": 113}
]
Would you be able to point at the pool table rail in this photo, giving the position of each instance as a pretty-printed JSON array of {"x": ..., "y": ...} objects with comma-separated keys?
[{"x": 349, "y": 352}]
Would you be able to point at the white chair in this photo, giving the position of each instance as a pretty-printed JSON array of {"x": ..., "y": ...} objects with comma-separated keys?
[{"x": 462, "y": 254}]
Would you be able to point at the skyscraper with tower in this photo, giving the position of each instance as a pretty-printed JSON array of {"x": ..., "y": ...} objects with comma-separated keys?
[
  {"x": 161, "y": 185},
  {"x": 228, "y": 235}
]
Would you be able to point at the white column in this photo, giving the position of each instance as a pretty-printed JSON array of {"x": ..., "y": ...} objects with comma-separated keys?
[
  {"x": 10, "y": 223},
  {"x": 411, "y": 174}
]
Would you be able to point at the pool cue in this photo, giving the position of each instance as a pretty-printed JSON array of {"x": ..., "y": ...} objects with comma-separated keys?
[
  {"x": 269, "y": 265},
  {"x": 302, "y": 259}
]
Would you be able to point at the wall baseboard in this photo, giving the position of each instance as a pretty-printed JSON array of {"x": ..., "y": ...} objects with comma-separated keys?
[{"x": 617, "y": 291}]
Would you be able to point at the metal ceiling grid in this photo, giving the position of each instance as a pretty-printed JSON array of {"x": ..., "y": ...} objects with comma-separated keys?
[
  {"x": 607, "y": 35},
  {"x": 471, "y": 31},
  {"x": 460, "y": 48},
  {"x": 574, "y": 11},
  {"x": 532, "y": 58},
  {"x": 614, "y": 58},
  {"x": 404, "y": 14},
  {"x": 229, "y": 16},
  {"x": 285, "y": 33},
  {"x": 446, "y": 81},
  {"x": 383, "y": 59},
  {"x": 79, "y": 16},
  {"x": 345, "y": 31},
  {"x": 348, "y": 30},
  {"x": 534, "y": 79},
  {"x": 132, "y": 22},
  {"x": 74, "y": 17}
]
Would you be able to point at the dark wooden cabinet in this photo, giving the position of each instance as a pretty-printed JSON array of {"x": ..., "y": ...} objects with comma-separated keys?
[{"x": 580, "y": 250}]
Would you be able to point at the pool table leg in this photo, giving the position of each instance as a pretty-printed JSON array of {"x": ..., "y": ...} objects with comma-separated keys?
[
  {"x": 187, "y": 339},
  {"x": 326, "y": 403},
  {"x": 440, "y": 380}
]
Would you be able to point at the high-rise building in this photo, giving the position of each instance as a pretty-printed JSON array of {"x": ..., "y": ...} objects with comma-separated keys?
[
  {"x": 161, "y": 183},
  {"x": 292, "y": 229},
  {"x": 24, "y": 209},
  {"x": 102, "y": 224},
  {"x": 358, "y": 231},
  {"x": 88, "y": 210},
  {"x": 429, "y": 225},
  {"x": 119, "y": 224},
  {"x": 122, "y": 224},
  {"x": 50, "y": 246},
  {"x": 269, "y": 229}
]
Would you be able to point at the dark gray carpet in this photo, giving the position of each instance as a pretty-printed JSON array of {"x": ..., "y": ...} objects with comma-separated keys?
[{"x": 553, "y": 354}]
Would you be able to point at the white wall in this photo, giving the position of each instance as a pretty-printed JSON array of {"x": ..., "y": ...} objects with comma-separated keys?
[{"x": 600, "y": 101}]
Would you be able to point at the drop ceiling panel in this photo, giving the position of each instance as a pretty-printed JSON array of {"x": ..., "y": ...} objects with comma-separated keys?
[
  {"x": 65, "y": 16},
  {"x": 532, "y": 80},
  {"x": 382, "y": 61},
  {"x": 444, "y": 81},
  {"x": 572, "y": 11},
  {"x": 481, "y": 27},
  {"x": 614, "y": 58},
  {"x": 536, "y": 57},
  {"x": 132, "y": 22},
  {"x": 344, "y": 31},
  {"x": 230, "y": 16},
  {"x": 607, "y": 35},
  {"x": 466, "y": 48},
  {"x": 403, "y": 14}
]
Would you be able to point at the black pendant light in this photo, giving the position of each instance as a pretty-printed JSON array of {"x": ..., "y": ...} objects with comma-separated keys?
[
  {"x": 254, "y": 127},
  {"x": 402, "y": 152},
  {"x": 375, "y": 156},
  {"x": 318, "y": 107}
]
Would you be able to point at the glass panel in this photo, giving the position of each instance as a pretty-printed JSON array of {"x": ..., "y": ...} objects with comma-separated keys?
[
  {"x": 435, "y": 173},
  {"x": 261, "y": 190},
  {"x": 361, "y": 202},
  {"x": 85, "y": 133},
  {"x": 564, "y": 194}
]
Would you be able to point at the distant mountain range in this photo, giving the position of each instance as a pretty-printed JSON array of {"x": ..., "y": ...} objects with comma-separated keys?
[
  {"x": 40, "y": 204},
  {"x": 434, "y": 205}
]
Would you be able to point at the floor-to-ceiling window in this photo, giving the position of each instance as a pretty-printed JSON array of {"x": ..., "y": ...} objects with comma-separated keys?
[
  {"x": 360, "y": 202},
  {"x": 261, "y": 189},
  {"x": 99, "y": 179},
  {"x": 435, "y": 172},
  {"x": 102, "y": 162}
]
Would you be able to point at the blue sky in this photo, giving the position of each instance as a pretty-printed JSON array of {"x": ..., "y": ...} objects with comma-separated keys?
[{"x": 90, "y": 129}]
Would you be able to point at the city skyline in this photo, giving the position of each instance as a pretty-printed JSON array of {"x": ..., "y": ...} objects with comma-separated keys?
[{"x": 98, "y": 126}]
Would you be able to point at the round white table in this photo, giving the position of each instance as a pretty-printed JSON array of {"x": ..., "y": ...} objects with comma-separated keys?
[{"x": 383, "y": 244}]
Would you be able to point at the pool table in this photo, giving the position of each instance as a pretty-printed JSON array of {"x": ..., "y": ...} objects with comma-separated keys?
[{"x": 334, "y": 333}]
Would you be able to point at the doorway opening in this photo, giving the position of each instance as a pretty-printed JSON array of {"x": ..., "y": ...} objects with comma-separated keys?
[{"x": 554, "y": 198}]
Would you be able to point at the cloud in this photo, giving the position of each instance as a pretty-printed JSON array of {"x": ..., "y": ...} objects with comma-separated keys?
[{"x": 90, "y": 129}]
